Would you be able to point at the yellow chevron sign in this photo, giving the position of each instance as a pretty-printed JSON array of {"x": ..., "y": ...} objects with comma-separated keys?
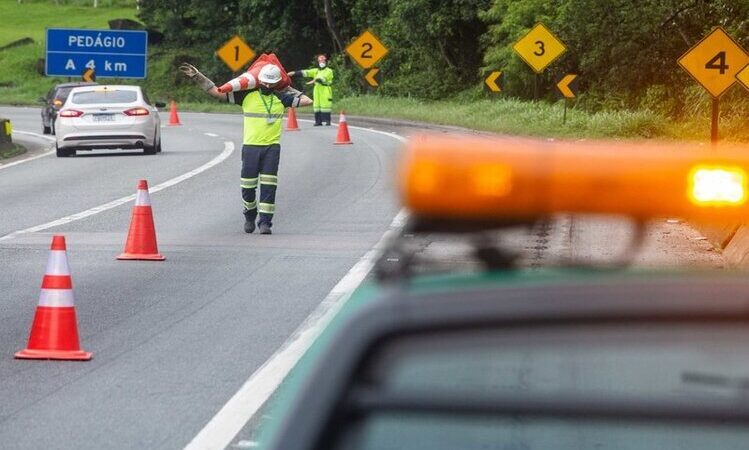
[
  {"x": 568, "y": 86},
  {"x": 743, "y": 76},
  {"x": 89, "y": 75},
  {"x": 372, "y": 77},
  {"x": 493, "y": 82}
]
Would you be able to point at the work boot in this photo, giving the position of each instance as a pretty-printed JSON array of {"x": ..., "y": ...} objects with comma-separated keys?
[
  {"x": 326, "y": 118},
  {"x": 264, "y": 228},
  {"x": 249, "y": 226},
  {"x": 318, "y": 119}
]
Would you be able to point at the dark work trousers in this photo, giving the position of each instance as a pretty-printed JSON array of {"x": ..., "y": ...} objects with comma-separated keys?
[
  {"x": 318, "y": 118},
  {"x": 260, "y": 169},
  {"x": 326, "y": 118}
]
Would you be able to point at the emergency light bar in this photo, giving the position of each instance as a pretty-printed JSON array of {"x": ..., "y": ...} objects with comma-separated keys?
[{"x": 516, "y": 179}]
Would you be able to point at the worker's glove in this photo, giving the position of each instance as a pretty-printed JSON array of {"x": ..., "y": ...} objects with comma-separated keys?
[{"x": 194, "y": 74}]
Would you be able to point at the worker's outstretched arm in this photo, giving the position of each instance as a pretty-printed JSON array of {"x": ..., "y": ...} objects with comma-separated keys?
[{"x": 201, "y": 80}]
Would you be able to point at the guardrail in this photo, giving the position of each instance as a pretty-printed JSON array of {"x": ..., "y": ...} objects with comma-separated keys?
[{"x": 6, "y": 132}]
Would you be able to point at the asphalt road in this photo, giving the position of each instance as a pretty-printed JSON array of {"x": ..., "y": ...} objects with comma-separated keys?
[{"x": 173, "y": 341}]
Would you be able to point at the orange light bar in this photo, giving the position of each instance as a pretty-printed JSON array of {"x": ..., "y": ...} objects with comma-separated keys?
[{"x": 496, "y": 179}]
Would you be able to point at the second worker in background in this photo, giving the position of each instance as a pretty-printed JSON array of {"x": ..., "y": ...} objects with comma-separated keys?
[{"x": 322, "y": 95}]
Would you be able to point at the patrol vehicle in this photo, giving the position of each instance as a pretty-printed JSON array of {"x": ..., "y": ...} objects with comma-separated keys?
[{"x": 572, "y": 357}]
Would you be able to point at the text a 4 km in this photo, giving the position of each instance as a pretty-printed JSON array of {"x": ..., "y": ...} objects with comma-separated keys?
[{"x": 109, "y": 66}]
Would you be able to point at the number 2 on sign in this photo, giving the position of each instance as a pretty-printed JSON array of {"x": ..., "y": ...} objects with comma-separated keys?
[
  {"x": 721, "y": 65},
  {"x": 541, "y": 49},
  {"x": 367, "y": 51}
]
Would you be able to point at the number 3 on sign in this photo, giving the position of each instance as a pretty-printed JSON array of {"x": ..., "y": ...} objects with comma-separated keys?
[{"x": 541, "y": 50}]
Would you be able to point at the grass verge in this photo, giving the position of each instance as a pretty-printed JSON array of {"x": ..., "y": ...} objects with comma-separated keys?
[
  {"x": 14, "y": 150},
  {"x": 20, "y": 82}
]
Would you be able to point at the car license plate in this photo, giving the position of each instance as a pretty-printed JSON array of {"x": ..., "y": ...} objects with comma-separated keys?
[{"x": 103, "y": 117}]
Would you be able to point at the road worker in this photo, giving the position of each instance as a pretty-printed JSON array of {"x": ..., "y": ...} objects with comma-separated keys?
[
  {"x": 322, "y": 77},
  {"x": 263, "y": 110}
]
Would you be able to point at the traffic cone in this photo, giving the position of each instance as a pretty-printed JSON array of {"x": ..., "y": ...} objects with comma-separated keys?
[
  {"x": 141, "y": 239},
  {"x": 173, "y": 116},
  {"x": 343, "y": 136},
  {"x": 291, "y": 124},
  {"x": 54, "y": 332}
]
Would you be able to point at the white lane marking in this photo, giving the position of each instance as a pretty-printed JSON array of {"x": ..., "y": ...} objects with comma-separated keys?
[
  {"x": 31, "y": 158},
  {"x": 228, "y": 149},
  {"x": 371, "y": 130},
  {"x": 222, "y": 428},
  {"x": 211, "y": 134},
  {"x": 232, "y": 417}
]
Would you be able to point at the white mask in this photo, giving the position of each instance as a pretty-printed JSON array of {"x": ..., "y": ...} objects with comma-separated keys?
[{"x": 322, "y": 65}]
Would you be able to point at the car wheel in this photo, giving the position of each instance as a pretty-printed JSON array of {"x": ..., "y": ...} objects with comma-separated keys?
[
  {"x": 149, "y": 149},
  {"x": 64, "y": 152},
  {"x": 46, "y": 130},
  {"x": 158, "y": 146}
]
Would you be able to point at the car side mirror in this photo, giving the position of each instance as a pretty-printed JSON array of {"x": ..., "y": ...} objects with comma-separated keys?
[
  {"x": 160, "y": 105},
  {"x": 42, "y": 99}
]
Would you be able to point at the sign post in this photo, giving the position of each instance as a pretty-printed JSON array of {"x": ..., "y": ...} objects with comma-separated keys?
[
  {"x": 539, "y": 47},
  {"x": 567, "y": 87},
  {"x": 366, "y": 50},
  {"x": 235, "y": 53},
  {"x": 109, "y": 53},
  {"x": 714, "y": 62}
]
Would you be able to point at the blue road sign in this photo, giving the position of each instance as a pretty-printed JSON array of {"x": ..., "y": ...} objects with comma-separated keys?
[{"x": 111, "y": 53}]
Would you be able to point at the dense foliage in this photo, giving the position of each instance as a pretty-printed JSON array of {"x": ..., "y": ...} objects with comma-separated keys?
[{"x": 625, "y": 51}]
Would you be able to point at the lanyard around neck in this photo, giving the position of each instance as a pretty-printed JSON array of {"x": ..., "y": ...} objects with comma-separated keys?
[{"x": 267, "y": 107}]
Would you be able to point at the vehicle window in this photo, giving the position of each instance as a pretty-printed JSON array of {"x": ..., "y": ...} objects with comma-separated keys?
[
  {"x": 62, "y": 93},
  {"x": 670, "y": 362},
  {"x": 605, "y": 360},
  {"x": 422, "y": 431},
  {"x": 108, "y": 96}
]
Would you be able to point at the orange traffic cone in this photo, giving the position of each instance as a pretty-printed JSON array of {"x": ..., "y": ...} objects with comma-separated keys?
[
  {"x": 291, "y": 124},
  {"x": 343, "y": 136},
  {"x": 54, "y": 332},
  {"x": 173, "y": 116},
  {"x": 141, "y": 239}
]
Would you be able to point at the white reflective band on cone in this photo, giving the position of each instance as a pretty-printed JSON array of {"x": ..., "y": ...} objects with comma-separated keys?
[
  {"x": 342, "y": 118},
  {"x": 142, "y": 199},
  {"x": 57, "y": 263},
  {"x": 56, "y": 298}
]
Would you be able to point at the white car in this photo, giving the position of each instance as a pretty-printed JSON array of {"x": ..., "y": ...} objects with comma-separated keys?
[{"x": 108, "y": 117}]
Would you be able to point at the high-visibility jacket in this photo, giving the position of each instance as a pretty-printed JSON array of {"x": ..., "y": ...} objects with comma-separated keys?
[
  {"x": 263, "y": 115},
  {"x": 322, "y": 95}
]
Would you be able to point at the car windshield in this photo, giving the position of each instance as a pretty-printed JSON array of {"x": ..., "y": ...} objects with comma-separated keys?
[
  {"x": 108, "y": 96},
  {"x": 679, "y": 363}
]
